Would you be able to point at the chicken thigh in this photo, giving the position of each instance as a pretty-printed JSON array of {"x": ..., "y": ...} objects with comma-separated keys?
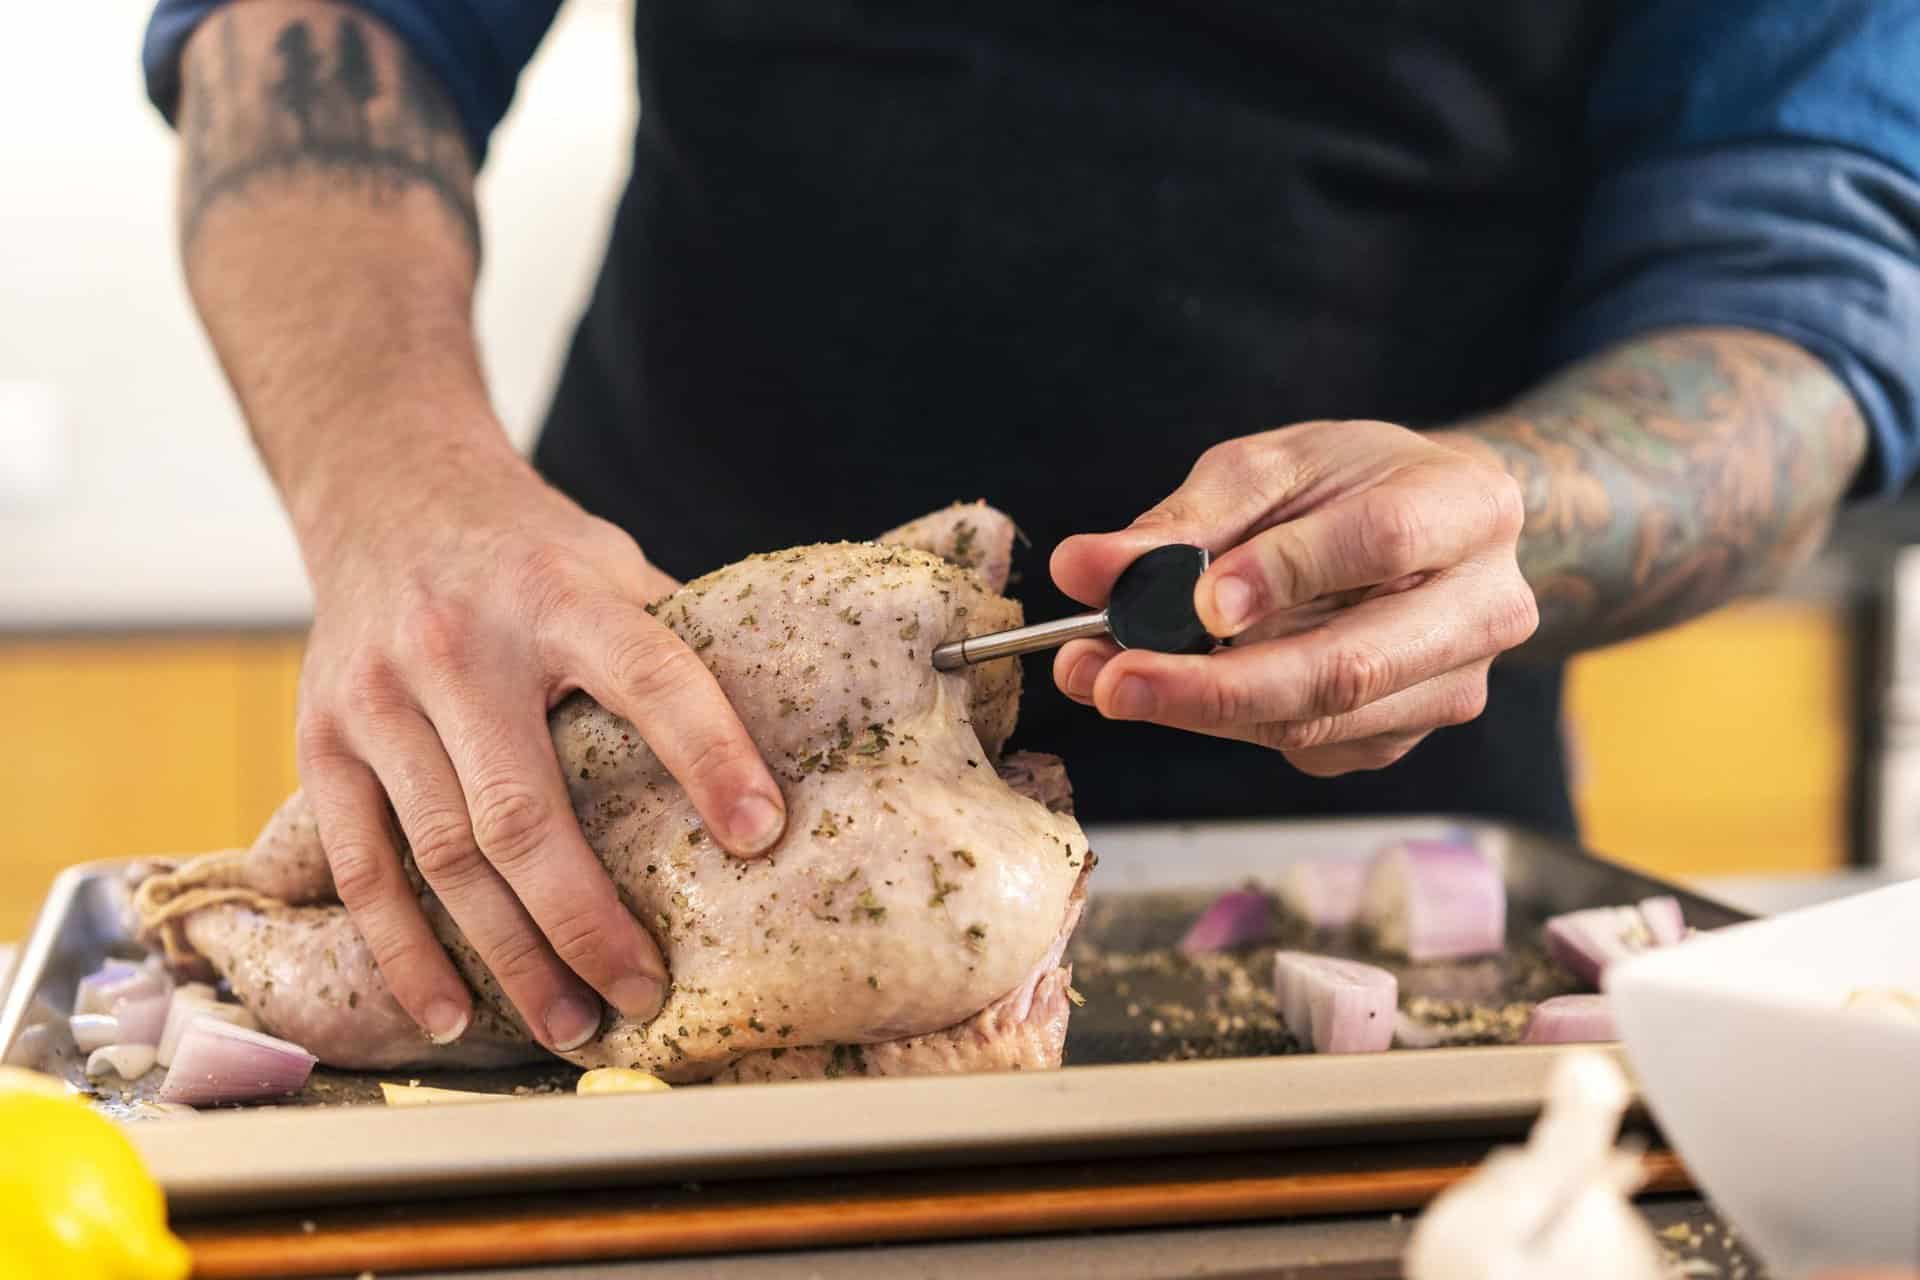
[{"x": 911, "y": 919}]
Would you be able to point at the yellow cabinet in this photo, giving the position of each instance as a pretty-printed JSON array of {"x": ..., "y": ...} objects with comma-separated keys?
[
  {"x": 1722, "y": 746},
  {"x": 112, "y": 747}
]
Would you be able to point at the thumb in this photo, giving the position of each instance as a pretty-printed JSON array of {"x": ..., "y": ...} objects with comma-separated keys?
[{"x": 1221, "y": 502}]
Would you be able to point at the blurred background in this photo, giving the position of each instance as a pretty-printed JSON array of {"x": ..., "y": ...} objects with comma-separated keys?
[{"x": 152, "y": 602}]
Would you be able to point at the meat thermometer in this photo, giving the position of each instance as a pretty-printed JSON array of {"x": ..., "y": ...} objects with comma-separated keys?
[{"x": 1151, "y": 608}]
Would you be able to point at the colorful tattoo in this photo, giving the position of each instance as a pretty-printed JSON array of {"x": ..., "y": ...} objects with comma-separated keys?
[{"x": 1670, "y": 474}]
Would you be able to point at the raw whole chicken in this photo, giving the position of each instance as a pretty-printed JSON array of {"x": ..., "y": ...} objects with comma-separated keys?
[{"x": 910, "y": 921}]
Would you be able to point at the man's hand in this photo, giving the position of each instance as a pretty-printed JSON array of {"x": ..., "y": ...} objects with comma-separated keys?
[
  {"x": 1365, "y": 575},
  {"x": 455, "y": 607},
  {"x": 458, "y": 598}
]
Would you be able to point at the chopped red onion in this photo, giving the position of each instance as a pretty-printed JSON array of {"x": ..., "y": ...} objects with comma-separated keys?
[
  {"x": 1335, "y": 1006},
  {"x": 128, "y": 1061},
  {"x": 1435, "y": 900},
  {"x": 188, "y": 1005},
  {"x": 1665, "y": 921},
  {"x": 1325, "y": 892},
  {"x": 1570, "y": 1020},
  {"x": 217, "y": 1062},
  {"x": 142, "y": 1018},
  {"x": 93, "y": 1030},
  {"x": 1586, "y": 942},
  {"x": 87, "y": 996},
  {"x": 143, "y": 982},
  {"x": 1233, "y": 919},
  {"x": 1410, "y": 1033}
]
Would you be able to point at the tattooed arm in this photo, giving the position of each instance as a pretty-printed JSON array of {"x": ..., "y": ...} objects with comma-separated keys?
[
  {"x": 328, "y": 230},
  {"x": 1669, "y": 475},
  {"x": 1368, "y": 575},
  {"x": 327, "y": 223}
]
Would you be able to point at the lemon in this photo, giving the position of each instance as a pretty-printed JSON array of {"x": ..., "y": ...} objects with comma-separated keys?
[{"x": 75, "y": 1201}]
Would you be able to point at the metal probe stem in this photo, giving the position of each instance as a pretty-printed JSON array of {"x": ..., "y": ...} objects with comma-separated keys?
[{"x": 1007, "y": 644}]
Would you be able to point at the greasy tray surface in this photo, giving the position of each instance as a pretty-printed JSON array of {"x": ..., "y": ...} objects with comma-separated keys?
[{"x": 1126, "y": 1090}]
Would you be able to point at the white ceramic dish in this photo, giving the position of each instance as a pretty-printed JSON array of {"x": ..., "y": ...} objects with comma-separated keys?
[{"x": 1798, "y": 1117}]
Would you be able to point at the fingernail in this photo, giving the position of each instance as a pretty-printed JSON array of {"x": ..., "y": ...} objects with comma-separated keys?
[
  {"x": 1082, "y": 675},
  {"x": 1232, "y": 602},
  {"x": 571, "y": 1022},
  {"x": 754, "y": 824},
  {"x": 637, "y": 996},
  {"x": 446, "y": 1021},
  {"x": 1132, "y": 699}
]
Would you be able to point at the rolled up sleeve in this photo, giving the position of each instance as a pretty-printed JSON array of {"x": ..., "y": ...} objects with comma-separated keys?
[
  {"x": 476, "y": 49},
  {"x": 1758, "y": 165}
]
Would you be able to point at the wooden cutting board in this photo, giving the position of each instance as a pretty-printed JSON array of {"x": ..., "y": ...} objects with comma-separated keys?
[{"x": 732, "y": 1217}]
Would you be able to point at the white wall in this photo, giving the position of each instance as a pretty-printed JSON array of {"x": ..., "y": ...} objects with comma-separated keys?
[{"x": 144, "y": 505}]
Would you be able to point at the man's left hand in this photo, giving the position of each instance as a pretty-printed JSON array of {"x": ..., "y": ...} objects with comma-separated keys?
[{"x": 1365, "y": 575}]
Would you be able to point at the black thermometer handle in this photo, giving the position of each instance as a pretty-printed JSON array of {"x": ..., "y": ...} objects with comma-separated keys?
[{"x": 1151, "y": 607}]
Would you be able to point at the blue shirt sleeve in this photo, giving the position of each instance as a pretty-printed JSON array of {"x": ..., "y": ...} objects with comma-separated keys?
[
  {"x": 1758, "y": 164},
  {"x": 475, "y": 48}
]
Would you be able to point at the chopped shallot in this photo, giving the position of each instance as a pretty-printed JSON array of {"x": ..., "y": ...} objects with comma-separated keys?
[
  {"x": 1665, "y": 922},
  {"x": 1325, "y": 892},
  {"x": 1588, "y": 941},
  {"x": 1435, "y": 900},
  {"x": 1570, "y": 1020},
  {"x": 88, "y": 997},
  {"x": 189, "y": 1004},
  {"x": 93, "y": 1030},
  {"x": 218, "y": 1062},
  {"x": 1410, "y": 1033},
  {"x": 128, "y": 1061},
  {"x": 1335, "y": 1006},
  {"x": 1233, "y": 919},
  {"x": 142, "y": 1018}
]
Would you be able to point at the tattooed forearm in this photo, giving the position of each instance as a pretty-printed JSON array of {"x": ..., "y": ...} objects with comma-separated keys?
[
  {"x": 1669, "y": 475},
  {"x": 327, "y": 97}
]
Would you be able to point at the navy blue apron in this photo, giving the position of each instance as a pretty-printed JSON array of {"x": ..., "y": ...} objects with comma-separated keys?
[{"x": 876, "y": 257}]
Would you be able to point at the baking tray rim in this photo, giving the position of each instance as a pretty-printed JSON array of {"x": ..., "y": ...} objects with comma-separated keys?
[{"x": 230, "y": 1161}]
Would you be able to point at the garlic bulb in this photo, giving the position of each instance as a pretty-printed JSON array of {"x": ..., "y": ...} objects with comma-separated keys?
[{"x": 1559, "y": 1206}]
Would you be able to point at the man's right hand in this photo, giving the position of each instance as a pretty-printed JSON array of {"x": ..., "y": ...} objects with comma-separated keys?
[
  {"x": 458, "y": 598},
  {"x": 454, "y": 608}
]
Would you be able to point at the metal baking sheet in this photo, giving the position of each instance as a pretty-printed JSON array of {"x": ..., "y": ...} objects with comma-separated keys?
[{"x": 1164, "y": 1056}]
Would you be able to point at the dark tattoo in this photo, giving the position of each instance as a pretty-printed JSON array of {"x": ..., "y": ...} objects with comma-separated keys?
[
  {"x": 297, "y": 90},
  {"x": 1672, "y": 474},
  {"x": 355, "y": 111},
  {"x": 353, "y": 73}
]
